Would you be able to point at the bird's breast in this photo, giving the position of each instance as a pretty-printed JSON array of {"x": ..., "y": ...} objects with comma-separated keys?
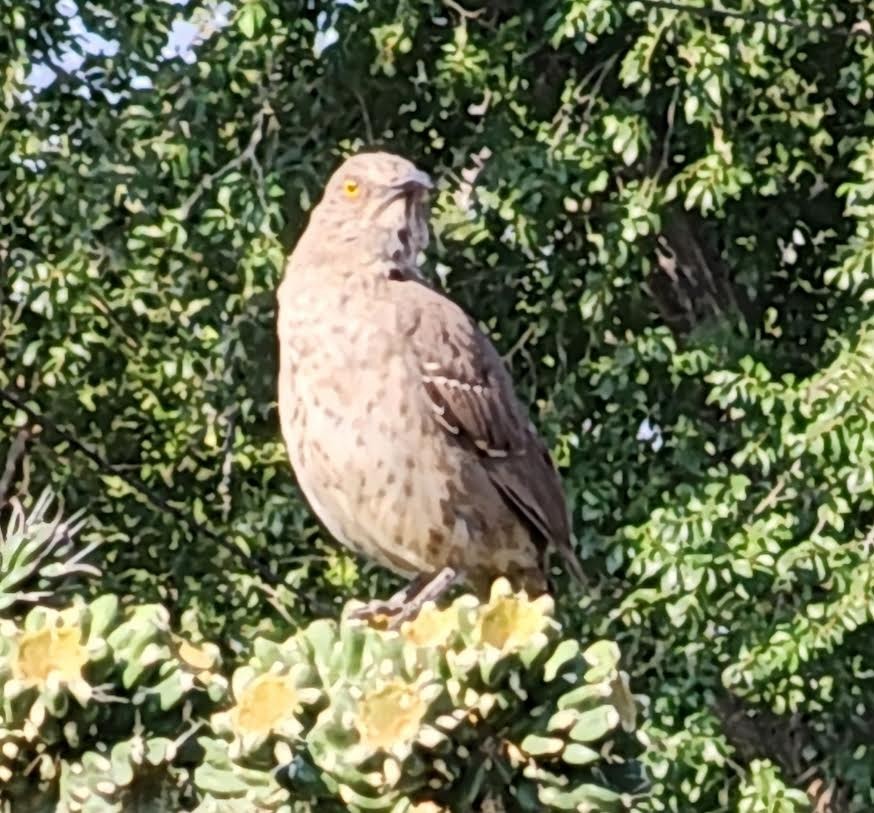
[{"x": 341, "y": 361}]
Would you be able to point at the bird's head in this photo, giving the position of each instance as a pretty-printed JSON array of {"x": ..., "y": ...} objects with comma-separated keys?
[{"x": 375, "y": 205}]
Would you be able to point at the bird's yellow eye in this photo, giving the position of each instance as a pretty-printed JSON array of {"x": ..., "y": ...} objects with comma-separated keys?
[{"x": 351, "y": 188}]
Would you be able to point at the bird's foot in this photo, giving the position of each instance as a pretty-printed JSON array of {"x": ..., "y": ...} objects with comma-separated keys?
[
  {"x": 406, "y": 603},
  {"x": 380, "y": 614}
]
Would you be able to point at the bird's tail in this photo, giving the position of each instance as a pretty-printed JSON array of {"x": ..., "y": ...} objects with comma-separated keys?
[{"x": 573, "y": 564}]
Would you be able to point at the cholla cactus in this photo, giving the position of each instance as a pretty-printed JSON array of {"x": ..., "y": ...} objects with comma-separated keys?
[
  {"x": 164, "y": 675},
  {"x": 54, "y": 658},
  {"x": 272, "y": 695},
  {"x": 135, "y": 774},
  {"x": 226, "y": 786},
  {"x": 463, "y": 706},
  {"x": 89, "y": 677},
  {"x": 37, "y": 552},
  {"x": 477, "y": 701}
]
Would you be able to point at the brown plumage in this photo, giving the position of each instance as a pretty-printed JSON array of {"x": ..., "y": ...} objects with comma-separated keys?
[{"x": 398, "y": 414}]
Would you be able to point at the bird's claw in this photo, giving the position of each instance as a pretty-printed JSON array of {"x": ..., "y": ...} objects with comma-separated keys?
[
  {"x": 405, "y": 605},
  {"x": 384, "y": 615}
]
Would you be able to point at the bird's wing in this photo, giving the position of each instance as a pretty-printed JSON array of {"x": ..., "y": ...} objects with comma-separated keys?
[{"x": 471, "y": 396}]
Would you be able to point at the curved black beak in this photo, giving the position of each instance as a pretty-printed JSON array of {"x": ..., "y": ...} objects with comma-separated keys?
[{"x": 414, "y": 181}]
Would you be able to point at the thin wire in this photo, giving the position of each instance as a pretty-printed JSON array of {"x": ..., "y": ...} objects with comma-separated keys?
[
  {"x": 861, "y": 29},
  {"x": 135, "y": 483}
]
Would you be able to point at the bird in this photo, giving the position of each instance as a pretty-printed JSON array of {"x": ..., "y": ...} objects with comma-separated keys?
[{"x": 399, "y": 417}]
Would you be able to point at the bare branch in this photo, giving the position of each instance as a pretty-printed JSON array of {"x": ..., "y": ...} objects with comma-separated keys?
[
  {"x": 464, "y": 13},
  {"x": 248, "y": 154},
  {"x": 365, "y": 117},
  {"x": 15, "y": 453},
  {"x": 224, "y": 486},
  {"x": 788, "y": 742}
]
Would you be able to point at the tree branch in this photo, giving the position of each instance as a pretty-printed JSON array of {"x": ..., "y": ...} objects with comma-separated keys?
[
  {"x": 786, "y": 741},
  {"x": 151, "y": 496},
  {"x": 15, "y": 453},
  {"x": 248, "y": 154}
]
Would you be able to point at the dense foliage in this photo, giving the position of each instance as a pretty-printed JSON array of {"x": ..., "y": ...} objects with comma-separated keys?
[{"x": 662, "y": 212}]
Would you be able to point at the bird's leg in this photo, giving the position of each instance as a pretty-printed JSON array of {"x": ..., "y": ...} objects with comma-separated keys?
[
  {"x": 407, "y": 602},
  {"x": 391, "y": 606},
  {"x": 434, "y": 587}
]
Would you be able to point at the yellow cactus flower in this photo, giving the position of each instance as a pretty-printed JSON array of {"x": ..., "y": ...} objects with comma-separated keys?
[
  {"x": 431, "y": 627},
  {"x": 390, "y": 715},
  {"x": 57, "y": 650},
  {"x": 509, "y": 622},
  {"x": 265, "y": 704}
]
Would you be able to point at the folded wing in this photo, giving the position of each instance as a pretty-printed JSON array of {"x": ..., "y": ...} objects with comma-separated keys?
[{"x": 471, "y": 396}]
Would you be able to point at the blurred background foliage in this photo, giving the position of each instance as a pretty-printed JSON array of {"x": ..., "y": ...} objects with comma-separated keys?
[{"x": 662, "y": 212}]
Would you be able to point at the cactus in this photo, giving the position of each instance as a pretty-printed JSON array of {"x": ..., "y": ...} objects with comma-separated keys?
[
  {"x": 85, "y": 679},
  {"x": 135, "y": 774},
  {"x": 460, "y": 705},
  {"x": 37, "y": 553},
  {"x": 476, "y": 706},
  {"x": 227, "y": 786},
  {"x": 53, "y": 670},
  {"x": 272, "y": 694}
]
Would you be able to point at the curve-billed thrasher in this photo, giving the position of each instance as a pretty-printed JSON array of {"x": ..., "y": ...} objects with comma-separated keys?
[{"x": 399, "y": 417}]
